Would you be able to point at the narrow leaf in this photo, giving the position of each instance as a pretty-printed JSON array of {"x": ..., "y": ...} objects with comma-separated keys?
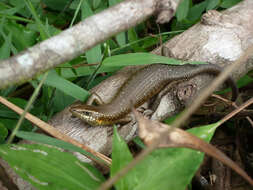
[
  {"x": 182, "y": 10},
  {"x": 66, "y": 86}
]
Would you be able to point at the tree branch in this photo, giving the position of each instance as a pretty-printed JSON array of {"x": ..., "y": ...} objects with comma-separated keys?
[{"x": 78, "y": 39}]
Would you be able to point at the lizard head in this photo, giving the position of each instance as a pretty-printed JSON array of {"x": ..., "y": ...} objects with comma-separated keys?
[{"x": 88, "y": 114}]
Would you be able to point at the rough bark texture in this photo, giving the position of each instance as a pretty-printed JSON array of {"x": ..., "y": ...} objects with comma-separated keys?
[{"x": 83, "y": 36}]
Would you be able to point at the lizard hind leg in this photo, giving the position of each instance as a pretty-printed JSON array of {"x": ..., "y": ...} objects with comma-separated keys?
[
  {"x": 125, "y": 119},
  {"x": 154, "y": 105}
]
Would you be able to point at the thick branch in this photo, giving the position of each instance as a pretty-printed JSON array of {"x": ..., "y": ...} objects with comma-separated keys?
[{"x": 83, "y": 36}]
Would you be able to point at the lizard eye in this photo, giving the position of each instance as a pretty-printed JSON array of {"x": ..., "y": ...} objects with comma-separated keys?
[{"x": 87, "y": 113}]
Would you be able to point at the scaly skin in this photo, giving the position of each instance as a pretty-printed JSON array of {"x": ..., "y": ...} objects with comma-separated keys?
[{"x": 141, "y": 86}]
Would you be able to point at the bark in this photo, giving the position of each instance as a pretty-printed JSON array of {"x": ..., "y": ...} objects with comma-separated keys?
[{"x": 76, "y": 40}]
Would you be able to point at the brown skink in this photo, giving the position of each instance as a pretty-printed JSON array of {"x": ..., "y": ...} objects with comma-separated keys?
[{"x": 142, "y": 85}]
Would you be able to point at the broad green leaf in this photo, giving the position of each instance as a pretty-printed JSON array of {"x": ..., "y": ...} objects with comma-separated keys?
[
  {"x": 137, "y": 59},
  {"x": 94, "y": 55},
  {"x": 18, "y": 101},
  {"x": 8, "y": 40},
  {"x": 138, "y": 141},
  {"x": 20, "y": 8},
  {"x": 86, "y": 10},
  {"x": 211, "y": 4},
  {"x": 229, "y": 3},
  {"x": 243, "y": 81},
  {"x": 183, "y": 25},
  {"x": 196, "y": 11},
  {"x": 7, "y": 113},
  {"x": 16, "y": 3},
  {"x": 133, "y": 37},
  {"x": 21, "y": 37},
  {"x": 61, "y": 100},
  {"x": 8, "y": 123},
  {"x": 3, "y": 133},
  {"x": 4, "y": 6},
  {"x": 66, "y": 86},
  {"x": 171, "y": 119},
  {"x": 121, "y": 38},
  {"x": 168, "y": 168},
  {"x": 66, "y": 71},
  {"x": 96, "y": 3},
  {"x": 12, "y": 122},
  {"x": 85, "y": 70},
  {"x": 102, "y": 6},
  {"x": 114, "y": 2},
  {"x": 74, "y": 4},
  {"x": 113, "y": 63},
  {"x": 140, "y": 59},
  {"x": 13, "y": 10},
  {"x": 5, "y": 49},
  {"x": 182, "y": 10},
  {"x": 44, "y": 33},
  {"x": 35, "y": 137},
  {"x": 49, "y": 28},
  {"x": 120, "y": 159},
  {"x": 49, "y": 168}
]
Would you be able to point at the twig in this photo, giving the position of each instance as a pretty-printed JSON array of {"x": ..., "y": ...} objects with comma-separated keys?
[
  {"x": 52, "y": 131},
  {"x": 237, "y": 110},
  {"x": 29, "y": 104},
  {"x": 235, "y": 106}
]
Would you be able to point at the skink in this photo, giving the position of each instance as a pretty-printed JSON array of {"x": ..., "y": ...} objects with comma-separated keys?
[{"x": 141, "y": 86}]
